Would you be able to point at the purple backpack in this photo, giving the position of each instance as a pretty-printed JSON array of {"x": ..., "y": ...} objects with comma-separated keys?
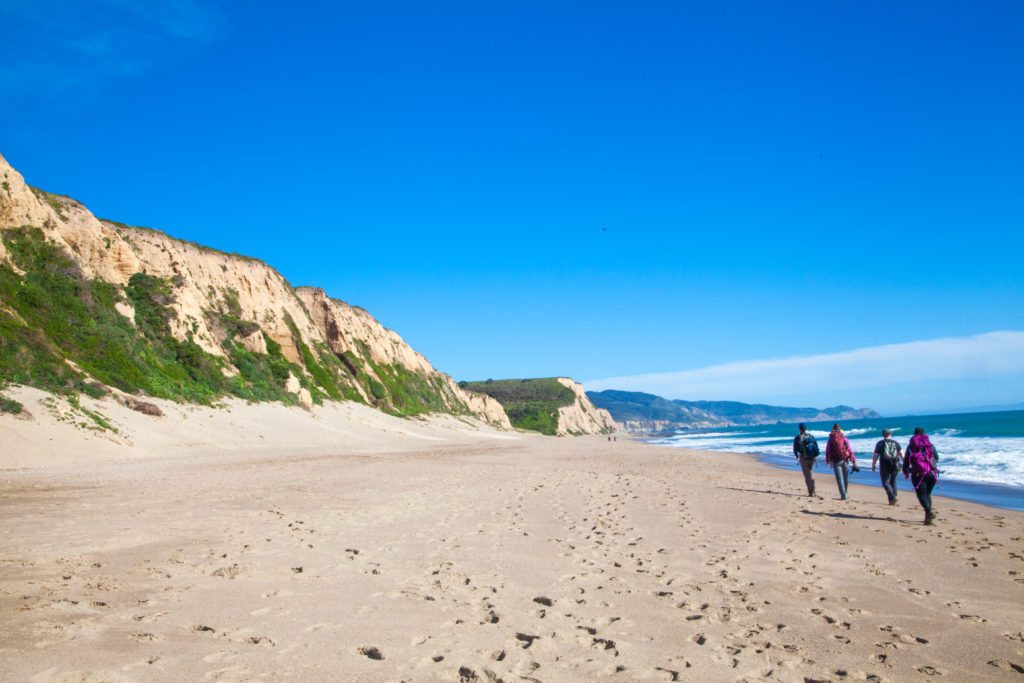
[{"x": 921, "y": 460}]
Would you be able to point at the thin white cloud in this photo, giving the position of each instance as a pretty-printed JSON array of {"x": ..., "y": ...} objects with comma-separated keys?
[{"x": 994, "y": 354}]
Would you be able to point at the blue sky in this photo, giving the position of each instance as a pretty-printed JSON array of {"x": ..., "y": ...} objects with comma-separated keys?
[{"x": 587, "y": 189}]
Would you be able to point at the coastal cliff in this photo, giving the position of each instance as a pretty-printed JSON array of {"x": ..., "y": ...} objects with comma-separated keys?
[
  {"x": 582, "y": 417},
  {"x": 556, "y": 406},
  {"x": 90, "y": 305}
]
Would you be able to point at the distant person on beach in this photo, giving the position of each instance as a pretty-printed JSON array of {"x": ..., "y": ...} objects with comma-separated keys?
[
  {"x": 887, "y": 455},
  {"x": 837, "y": 454},
  {"x": 805, "y": 448},
  {"x": 922, "y": 467}
]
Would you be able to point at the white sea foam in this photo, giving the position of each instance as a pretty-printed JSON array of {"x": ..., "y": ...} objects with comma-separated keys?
[
  {"x": 820, "y": 434},
  {"x": 995, "y": 460},
  {"x": 703, "y": 435}
]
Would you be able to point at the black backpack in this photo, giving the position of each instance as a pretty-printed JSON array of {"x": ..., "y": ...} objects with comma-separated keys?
[
  {"x": 811, "y": 449},
  {"x": 890, "y": 451}
]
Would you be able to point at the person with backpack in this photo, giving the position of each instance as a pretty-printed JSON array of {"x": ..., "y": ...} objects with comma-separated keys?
[
  {"x": 805, "y": 448},
  {"x": 838, "y": 453},
  {"x": 921, "y": 466},
  {"x": 888, "y": 455}
]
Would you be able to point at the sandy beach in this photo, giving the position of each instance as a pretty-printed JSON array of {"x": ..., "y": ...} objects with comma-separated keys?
[{"x": 420, "y": 551}]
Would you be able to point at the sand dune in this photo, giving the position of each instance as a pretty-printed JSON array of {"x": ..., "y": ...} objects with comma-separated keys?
[{"x": 450, "y": 555}]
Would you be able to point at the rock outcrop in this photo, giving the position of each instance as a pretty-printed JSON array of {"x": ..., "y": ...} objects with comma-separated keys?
[
  {"x": 582, "y": 417},
  {"x": 365, "y": 345},
  {"x": 224, "y": 303},
  {"x": 556, "y": 406}
]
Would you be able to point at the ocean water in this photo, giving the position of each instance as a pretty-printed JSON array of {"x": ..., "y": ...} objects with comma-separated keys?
[{"x": 981, "y": 455}]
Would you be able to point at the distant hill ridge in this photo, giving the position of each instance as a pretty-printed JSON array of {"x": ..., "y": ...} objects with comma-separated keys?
[{"x": 642, "y": 412}]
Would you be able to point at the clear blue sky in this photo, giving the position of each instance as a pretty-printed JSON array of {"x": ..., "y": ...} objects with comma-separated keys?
[{"x": 591, "y": 189}]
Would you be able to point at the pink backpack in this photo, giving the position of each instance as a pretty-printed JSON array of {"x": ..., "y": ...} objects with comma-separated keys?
[{"x": 921, "y": 460}]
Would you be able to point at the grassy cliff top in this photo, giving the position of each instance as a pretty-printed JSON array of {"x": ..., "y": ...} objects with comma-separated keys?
[
  {"x": 530, "y": 403},
  {"x": 507, "y": 391}
]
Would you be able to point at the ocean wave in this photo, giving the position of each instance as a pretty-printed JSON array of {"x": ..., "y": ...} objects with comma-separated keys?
[
  {"x": 689, "y": 434},
  {"x": 821, "y": 434},
  {"x": 990, "y": 460},
  {"x": 709, "y": 442},
  {"x": 983, "y": 459}
]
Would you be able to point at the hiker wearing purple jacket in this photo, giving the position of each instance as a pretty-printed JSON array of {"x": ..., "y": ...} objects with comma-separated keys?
[
  {"x": 837, "y": 454},
  {"x": 921, "y": 466}
]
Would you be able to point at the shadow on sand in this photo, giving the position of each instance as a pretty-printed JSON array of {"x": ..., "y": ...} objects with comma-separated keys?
[
  {"x": 847, "y": 515},
  {"x": 768, "y": 491},
  {"x": 834, "y": 515}
]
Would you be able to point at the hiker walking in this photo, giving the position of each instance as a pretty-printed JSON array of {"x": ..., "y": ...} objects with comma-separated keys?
[
  {"x": 837, "y": 454},
  {"x": 805, "y": 448},
  {"x": 921, "y": 466},
  {"x": 888, "y": 455}
]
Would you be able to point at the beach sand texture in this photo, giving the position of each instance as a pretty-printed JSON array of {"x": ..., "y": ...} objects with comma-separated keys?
[{"x": 455, "y": 556}]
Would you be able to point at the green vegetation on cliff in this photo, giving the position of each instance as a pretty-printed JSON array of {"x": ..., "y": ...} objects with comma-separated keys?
[
  {"x": 409, "y": 393},
  {"x": 529, "y": 403},
  {"x": 51, "y": 314},
  {"x": 9, "y": 405}
]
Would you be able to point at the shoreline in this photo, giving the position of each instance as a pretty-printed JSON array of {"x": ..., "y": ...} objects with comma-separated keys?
[
  {"x": 463, "y": 557},
  {"x": 991, "y": 494},
  {"x": 996, "y": 496}
]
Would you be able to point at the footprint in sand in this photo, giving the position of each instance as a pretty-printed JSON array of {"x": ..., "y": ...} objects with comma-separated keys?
[
  {"x": 1007, "y": 665},
  {"x": 929, "y": 670},
  {"x": 899, "y": 636},
  {"x": 145, "y": 637},
  {"x": 973, "y": 618}
]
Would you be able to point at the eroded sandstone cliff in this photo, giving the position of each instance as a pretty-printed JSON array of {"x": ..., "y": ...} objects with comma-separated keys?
[
  {"x": 219, "y": 311},
  {"x": 556, "y": 406},
  {"x": 582, "y": 417}
]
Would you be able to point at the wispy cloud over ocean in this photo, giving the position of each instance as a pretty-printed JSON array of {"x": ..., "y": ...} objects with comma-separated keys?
[{"x": 960, "y": 360}]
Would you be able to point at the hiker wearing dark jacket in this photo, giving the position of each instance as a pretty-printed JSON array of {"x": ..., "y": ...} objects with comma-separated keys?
[
  {"x": 838, "y": 453},
  {"x": 888, "y": 454},
  {"x": 805, "y": 448},
  {"x": 921, "y": 466}
]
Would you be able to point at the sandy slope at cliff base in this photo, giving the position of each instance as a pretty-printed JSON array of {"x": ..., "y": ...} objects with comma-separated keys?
[{"x": 57, "y": 434}]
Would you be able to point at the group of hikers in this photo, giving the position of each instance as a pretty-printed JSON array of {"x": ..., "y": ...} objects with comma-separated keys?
[{"x": 920, "y": 464}]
